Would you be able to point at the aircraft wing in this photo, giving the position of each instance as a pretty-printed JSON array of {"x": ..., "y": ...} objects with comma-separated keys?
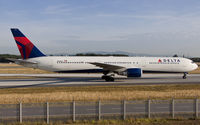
[{"x": 109, "y": 66}]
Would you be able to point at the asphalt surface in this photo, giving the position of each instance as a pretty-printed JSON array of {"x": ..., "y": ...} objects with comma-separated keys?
[{"x": 51, "y": 80}]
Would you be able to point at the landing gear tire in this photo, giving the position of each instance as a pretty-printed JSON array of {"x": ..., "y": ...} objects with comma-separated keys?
[
  {"x": 185, "y": 75},
  {"x": 108, "y": 78},
  {"x": 103, "y": 77}
]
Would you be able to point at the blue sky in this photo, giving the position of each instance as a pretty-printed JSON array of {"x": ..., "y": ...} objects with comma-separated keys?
[{"x": 162, "y": 27}]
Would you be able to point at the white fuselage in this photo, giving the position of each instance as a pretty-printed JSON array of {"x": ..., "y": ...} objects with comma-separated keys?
[{"x": 83, "y": 64}]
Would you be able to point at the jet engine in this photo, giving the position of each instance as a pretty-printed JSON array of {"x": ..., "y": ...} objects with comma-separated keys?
[{"x": 132, "y": 72}]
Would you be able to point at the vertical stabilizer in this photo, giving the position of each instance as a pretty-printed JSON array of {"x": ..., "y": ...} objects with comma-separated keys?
[{"x": 25, "y": 46}]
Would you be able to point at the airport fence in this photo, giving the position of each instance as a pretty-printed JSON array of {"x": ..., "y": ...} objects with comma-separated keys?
[{"x": 90, "y": 110}]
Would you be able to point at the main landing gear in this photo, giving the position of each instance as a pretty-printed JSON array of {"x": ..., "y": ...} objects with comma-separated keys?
[
  {"x": 185, "y": 75},
  {"x": 108, "y": 78}
]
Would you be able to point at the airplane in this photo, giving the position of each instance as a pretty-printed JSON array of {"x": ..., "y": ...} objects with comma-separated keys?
[{"x": 109, "y": 66}]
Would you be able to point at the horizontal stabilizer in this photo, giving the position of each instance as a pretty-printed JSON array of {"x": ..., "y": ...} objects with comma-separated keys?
[{"x": 24, "y": 62}]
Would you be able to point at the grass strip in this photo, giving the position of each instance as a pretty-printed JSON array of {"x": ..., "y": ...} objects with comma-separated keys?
[
  {"x": 94, "y": 93},
  {"x": 119, "y": 122}
]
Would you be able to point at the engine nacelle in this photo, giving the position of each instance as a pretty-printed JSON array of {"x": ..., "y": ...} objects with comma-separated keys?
[{"x": 134, "y": 72}]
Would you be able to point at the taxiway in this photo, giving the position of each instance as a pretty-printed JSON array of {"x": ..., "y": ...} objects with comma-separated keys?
[{"x": 52, "y": 80}]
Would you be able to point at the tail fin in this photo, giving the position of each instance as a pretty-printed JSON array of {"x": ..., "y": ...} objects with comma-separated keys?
[{"x": 25, "y": 46}]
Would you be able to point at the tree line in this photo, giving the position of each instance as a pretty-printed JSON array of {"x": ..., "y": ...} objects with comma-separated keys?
[{"x": 4, "y": 57}]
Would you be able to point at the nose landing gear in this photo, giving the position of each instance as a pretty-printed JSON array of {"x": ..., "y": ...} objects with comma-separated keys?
[{"x": 185, "y": 75}]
